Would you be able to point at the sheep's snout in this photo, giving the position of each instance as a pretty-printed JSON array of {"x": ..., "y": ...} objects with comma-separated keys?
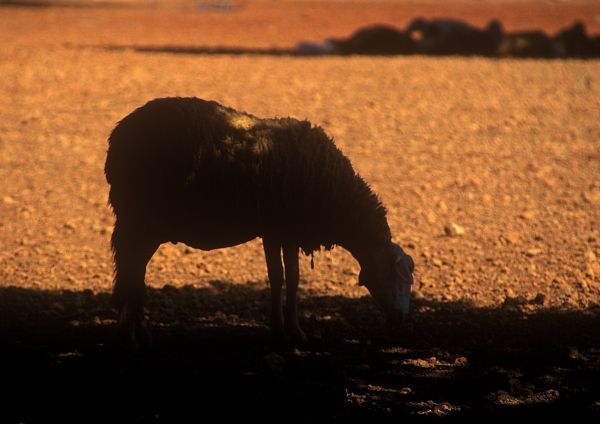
[
  {"x": 402, "y": 303},
  {"x": 397, "y": 301},
  {"x": 393, "y": 299},
  {"x": 391, "y": 283},
  {"x": 405, "y": 265}
]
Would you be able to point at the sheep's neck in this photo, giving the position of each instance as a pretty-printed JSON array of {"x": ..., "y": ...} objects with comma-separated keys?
[{"x": 363, "y": 224}]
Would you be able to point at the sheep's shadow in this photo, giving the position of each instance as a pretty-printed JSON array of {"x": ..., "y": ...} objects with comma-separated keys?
[
  {"x": 245, "y": 307},
  {"x": 211, "y": 359}
]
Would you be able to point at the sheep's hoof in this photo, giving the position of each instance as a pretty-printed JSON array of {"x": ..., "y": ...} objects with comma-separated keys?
[
  {"x": 296, "y": 335},
  {"x": 288, "y": 333},
  {"x": 132, "y": 330},
  {"x": 124, "y": 338},
  {"x": 142, "y": 334},
  {"x": 279, "y": 336},
  {"x": 289, "y": 338}
]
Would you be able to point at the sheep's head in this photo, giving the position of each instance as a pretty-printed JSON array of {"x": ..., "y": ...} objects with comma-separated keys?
[{"x": 388, "y": 277}]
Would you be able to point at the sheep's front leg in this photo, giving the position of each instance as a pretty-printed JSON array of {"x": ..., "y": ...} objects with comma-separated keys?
[
  {"x": 131, "y": 255},
  {"x": 292, "y": 278},
  {"x": 275, "y": 271}
]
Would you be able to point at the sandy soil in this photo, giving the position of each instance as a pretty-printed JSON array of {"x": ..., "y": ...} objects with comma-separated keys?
[{"x": 505, "y": 317}]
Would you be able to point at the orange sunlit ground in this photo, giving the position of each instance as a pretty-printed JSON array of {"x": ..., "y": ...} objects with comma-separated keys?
[{"x": 505, "y": 315}]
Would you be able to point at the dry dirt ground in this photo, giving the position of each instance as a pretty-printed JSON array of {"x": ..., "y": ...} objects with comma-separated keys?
[{"x": 505, "y": 319}]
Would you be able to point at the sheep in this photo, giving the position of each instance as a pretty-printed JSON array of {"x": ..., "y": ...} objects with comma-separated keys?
[
  {"x": 193, "y": 171},
  {"x": 449, "y": 36},
  {"x": 574, "y": 42},
  {"x": 372, "y": 40},
  {"x": 376, "y": 40},
  {"x": 526, "y": 44}
]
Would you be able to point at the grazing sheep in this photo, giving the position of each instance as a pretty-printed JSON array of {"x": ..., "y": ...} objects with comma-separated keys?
[{"x": 193, "y": 171}]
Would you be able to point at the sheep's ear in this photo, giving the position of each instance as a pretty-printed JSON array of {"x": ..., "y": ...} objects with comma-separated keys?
[
  {"x": 403, "y": 264},
  {"x": 405, "y": 260},
  {"x": 405, "y": 267}
]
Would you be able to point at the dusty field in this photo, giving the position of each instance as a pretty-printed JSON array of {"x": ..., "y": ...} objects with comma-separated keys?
[{"x": 505, "y": 321}]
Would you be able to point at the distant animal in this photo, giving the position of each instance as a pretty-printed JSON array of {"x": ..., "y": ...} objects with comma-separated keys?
[
  {"x": 454, "y": 37},
  {"x": 194, "y": 171},
  {"x": 376, "y": 40},
  {"x": 372, "y": 40},
  {"x": 574, "y": 42},
  {"x": 526, "y": 44}
]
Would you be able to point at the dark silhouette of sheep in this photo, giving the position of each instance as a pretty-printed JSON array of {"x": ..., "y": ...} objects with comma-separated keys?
[
  {"x": 574, "y": 42},
  {"x": 193, "y": 171},
  {"x": 376, "y": 40},
  {"x": 534, "y": 44},
  {"x": 372, "y": 40},
  {"x": 455, "y": 37},
  {"x": 450, "y": 36}
]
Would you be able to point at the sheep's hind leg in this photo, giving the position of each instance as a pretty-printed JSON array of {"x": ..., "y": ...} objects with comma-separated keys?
[
  {"x": 131, "y": 255},
  {"x": 292, "y": 278},
  {"x": 275, "y": 271}
]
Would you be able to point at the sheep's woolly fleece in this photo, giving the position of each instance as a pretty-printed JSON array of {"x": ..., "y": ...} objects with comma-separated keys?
[{"x": 185, "y": 164}]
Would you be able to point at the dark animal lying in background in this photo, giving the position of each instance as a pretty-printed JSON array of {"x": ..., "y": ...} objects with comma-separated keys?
[
  {"x": 574, "y": 42},
  {"x": 193, "y": 171},
  {"x": 570, "y": 42},
  {"x": 526, "y": 44},
  {"x": 376, "y": 40},
  {"x": 373, "y": 40},
  {"x": 454, "y": 37},
  {"x": 450, "y": 36}
]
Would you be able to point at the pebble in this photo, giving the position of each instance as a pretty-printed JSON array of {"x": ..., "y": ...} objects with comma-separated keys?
[
  {"x": 590, "y": 256},
  {"x": 453, "y": 229},
  {"x": 461, "y": 361},
  {"x": 539, "y": 299},
  {"x": 592, "y": 197},
  {"x": 70, "y": 225},
  {"x": 417, "y": 294},
  {"x": 565, "y": 288},
  {"x": 589, "y": 272},
  {"x": 513, "y": 237},
  {"x": 527, "y": 215},
  {"x": 272, "y": 367},
  {"x": 58, "y": 306},
  {"x": 437, "y": 262},
  {"x": 533, "y": 252}
]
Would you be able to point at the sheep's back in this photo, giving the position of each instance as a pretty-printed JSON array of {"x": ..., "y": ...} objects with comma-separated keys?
[{"x": 187, "y": 159}]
